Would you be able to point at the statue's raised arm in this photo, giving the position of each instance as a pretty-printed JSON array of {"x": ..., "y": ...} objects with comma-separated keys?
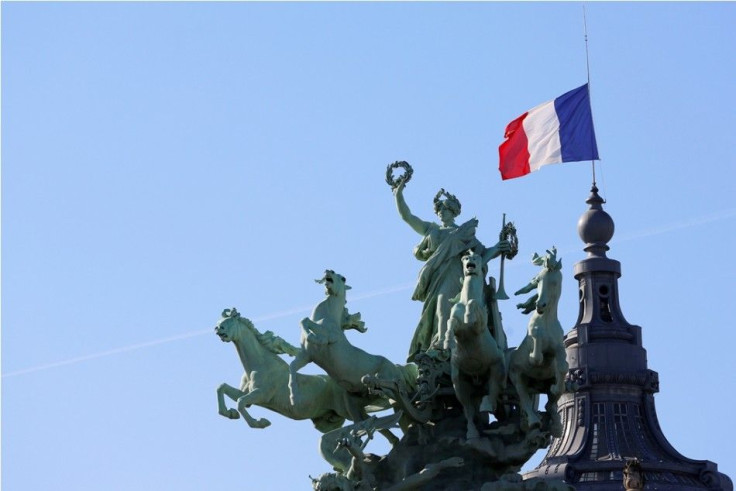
[
  {"x": 501, "y": 247},
  {"x": 420, "y": 226},
  {"x": 397, "y": 187}
]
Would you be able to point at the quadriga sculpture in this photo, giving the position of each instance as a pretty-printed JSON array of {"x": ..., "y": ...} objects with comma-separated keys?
[
  {"x": 539, "y": 365},
  {"x": 323, "y": 342},
  {"x": 461, "y": 349},
  {"x": 478, "y": 368},
  {"x": 264, "y": 382}
]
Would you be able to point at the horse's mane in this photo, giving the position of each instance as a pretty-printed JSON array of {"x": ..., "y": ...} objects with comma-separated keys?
[
  {"x": 549, "y": 261},
  {"x": 276, "y": 344},
  {"x": 268, "y": 339}
]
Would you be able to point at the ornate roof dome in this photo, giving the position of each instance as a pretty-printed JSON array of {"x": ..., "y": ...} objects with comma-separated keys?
[{"x": 608, "y": 411}]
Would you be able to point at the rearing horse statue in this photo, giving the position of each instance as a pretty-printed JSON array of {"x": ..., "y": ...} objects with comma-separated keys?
[
  {"x": 539, "y": 365},
  {"x": 323, "y": 342},
  {"x": 266, "y": 375},
  {"x": 478, "y": 368}
]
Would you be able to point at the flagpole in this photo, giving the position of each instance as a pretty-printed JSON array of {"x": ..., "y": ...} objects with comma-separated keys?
[{"x": 587, "y": 69}]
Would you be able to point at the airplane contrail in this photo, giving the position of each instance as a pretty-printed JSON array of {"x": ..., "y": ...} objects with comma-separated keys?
[
  {"x": 199, "y": 332},
  {"x": 702, "y": 220},
  {"x": 101, "y": 354},
  {"x": 694, "y": 222}
]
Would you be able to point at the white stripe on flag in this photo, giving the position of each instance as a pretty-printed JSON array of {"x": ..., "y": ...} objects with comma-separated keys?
[{"x": 542, "y": 130}]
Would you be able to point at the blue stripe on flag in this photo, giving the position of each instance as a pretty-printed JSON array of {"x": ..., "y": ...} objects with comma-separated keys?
[{"x": 577, "y": 136}]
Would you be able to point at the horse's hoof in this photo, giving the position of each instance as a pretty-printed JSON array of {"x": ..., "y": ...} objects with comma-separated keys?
[
  {"x": 486, "y": 405},
  {"x": 229, "y": 413},
  {"x": 263, "y": 423}
]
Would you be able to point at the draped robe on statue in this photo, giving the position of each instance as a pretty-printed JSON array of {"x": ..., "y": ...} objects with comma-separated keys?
[{"x": 441, "y": 248}]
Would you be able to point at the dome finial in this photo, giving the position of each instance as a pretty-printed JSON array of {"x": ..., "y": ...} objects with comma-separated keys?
[{"x": 595, "y": 226}]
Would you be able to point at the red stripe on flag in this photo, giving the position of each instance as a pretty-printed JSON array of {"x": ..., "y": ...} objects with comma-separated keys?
[{"x": 514, "y": 152}]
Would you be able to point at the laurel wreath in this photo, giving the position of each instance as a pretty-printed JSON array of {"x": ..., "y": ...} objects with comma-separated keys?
[
  {"x": 508, "y": 232},
  {"x": 402, "y": 178}
]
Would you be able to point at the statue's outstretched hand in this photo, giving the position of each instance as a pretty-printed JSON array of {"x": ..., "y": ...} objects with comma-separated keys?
[
  {"x": 503, "y": 246},
  {"x": 398, "y": 190}
]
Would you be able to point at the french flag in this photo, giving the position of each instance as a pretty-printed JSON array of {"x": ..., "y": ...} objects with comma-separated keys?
[{"x": 560, "y": 130}]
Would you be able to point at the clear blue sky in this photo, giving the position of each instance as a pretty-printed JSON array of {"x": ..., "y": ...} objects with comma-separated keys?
[{"x": 164, "y": 161}]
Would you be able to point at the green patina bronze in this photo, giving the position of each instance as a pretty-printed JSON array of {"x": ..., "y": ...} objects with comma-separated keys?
[
  {"x": 465, "y": 404},
  {"x": 539, "y": 365},
  {"x": 477, "y": 351},
  {"x": 266, "y": 377}
]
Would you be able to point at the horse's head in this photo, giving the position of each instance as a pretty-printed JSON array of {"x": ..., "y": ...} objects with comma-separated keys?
[
  {"x": 473, "y": 264},
  {"x": 226, "y": 326},
  {"x": 549, "y": 260},
  {"x": 549, "y": 279},
  {"x": 334, "y": 283}
]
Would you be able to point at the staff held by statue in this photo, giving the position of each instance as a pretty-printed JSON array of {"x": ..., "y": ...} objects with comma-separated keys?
[{"x": 508, "y": 233}]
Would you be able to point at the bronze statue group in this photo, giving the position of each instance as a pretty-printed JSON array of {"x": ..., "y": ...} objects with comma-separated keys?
[{"x": 465, "y": 402}]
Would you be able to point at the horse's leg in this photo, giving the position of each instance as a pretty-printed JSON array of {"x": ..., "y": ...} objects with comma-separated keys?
[
  {"x": 299, "y": 361},
  {"x": 354, "y": 406},
  {"x": 471, "y": 310},
  {"x": 397, "y": 378},
  {"x": 357, "y": 412},
  {"x": 525, "y": 400},
  {"x": 443, "y": 316},
  {"x": 496, "y": 382},
  {"x": 536, "y": 356},
  {"x": 234, "y": 394},
  {"x": 561, "y": 367},
  {"x": 252, "y": 397},
  {"x": 555, "y": 420},
  {"x": 456, "y": 313},
  {"x": 555, "y": 392},
  {"x": 463, "y": 392},
  {"x": 551, "y": 408}
]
